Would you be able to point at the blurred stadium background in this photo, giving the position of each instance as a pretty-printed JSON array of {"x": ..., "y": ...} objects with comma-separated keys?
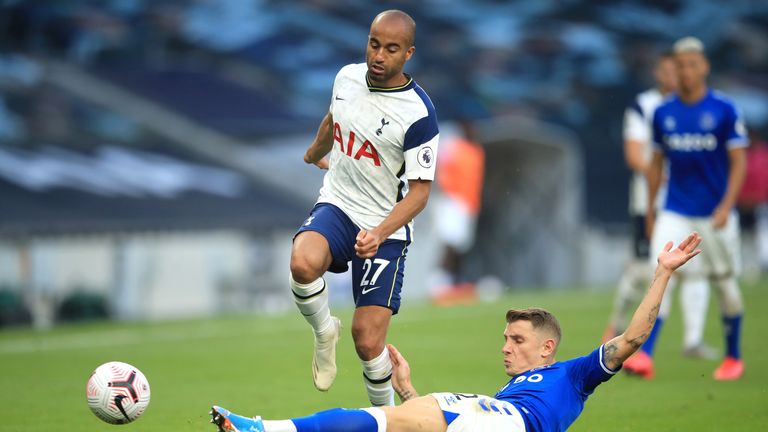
[
  {"x": 150, "y": 169},
  {"x": 150, "y": 151}
]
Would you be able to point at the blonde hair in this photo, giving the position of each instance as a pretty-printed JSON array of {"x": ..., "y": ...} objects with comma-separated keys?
[{"x": 688, "y": 44}]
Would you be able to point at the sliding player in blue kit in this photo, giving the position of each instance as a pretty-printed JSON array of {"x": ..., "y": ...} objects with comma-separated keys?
[{"x": 542, "y": 395}]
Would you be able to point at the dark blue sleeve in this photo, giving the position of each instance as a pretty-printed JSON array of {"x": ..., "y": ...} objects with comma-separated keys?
[
  {"x": 424, "y": 129},
  {"x": 634, "y": 106},
  {"x": 420, "y": 132},
  {"x": 658, "y": 134},
  {"x": 588, "y": 372}
]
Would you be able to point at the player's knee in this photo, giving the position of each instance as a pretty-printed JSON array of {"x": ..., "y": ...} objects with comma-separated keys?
[
  {"x": 304, "y": 269},
  {"x": 367, "y": 344},
  {"x": 731, "y": 302}
]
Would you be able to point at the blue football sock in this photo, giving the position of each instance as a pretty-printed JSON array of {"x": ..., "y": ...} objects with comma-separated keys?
[
  {"x": 650, "y": 343},
  {"x": 337, "y": 419},
  {"x": 732, "y": 327}
]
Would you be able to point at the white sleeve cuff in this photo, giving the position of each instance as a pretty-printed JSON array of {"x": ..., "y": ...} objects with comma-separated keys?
[{"x": 604, "y": 366}]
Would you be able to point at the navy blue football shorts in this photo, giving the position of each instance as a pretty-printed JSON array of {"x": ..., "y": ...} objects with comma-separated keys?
[{"x": 376, "y": 281}]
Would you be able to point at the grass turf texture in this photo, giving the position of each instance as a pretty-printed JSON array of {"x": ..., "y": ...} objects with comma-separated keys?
[{"x": 261, "y": 365}]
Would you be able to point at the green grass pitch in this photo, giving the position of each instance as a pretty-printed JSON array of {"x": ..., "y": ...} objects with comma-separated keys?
[{"x": 261, "y": 365}]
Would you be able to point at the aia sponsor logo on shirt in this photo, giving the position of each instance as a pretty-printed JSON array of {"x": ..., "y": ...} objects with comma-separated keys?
[{"x": 354, "y": 150}]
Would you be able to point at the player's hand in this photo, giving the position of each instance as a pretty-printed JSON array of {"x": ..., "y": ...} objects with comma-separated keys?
[
  {"x": 367, "y": 243},
  {"x": 401, "y": 375},
  {"x": 720, "y": 217},
  {"x": 671, "y": 259}
]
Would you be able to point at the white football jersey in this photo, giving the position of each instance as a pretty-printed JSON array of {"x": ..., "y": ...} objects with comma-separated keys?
[
  {"x": 637, "y": 126},
  {"x": 382, "y": 137}
]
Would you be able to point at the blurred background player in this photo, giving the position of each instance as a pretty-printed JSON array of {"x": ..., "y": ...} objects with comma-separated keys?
[
  {"x": 753, "y": 199},
  {"x": 541, "y": 395},
  {"x": 459, "y": 178},
  {"x": 638, "y": 150},
  {"x": 702, "y": 135},
  {"x": 381, "y": 132}
]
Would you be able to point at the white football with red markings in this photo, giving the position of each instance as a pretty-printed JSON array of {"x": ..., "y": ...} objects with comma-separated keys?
[{"x": 117, "y": 392}]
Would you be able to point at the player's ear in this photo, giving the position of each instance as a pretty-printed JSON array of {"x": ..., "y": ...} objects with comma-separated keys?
[
  {"x": 409, "y": 52},
  {"x": 548, "y": 348}
]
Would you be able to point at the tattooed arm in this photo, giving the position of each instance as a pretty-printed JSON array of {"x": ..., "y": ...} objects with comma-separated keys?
[
  {"x": 624, "y": 345},
  {"x": 401, "y": 375}
]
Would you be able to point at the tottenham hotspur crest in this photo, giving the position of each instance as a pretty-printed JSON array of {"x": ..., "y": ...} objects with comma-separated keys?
[
  {"x": 383, "y": 123},
  {"x": 426, "y": 157}
]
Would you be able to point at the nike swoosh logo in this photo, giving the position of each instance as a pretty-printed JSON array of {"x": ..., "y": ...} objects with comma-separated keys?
[
  {"x": 338, "y": 98},
  {"x": 367, "y": 290},
  {"x": 119, "y": 403}
]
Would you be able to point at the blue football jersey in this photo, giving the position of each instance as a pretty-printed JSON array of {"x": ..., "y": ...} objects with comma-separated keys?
[
  {"x": 696, "y": 139},
  {"x": 550, "y": 398}
]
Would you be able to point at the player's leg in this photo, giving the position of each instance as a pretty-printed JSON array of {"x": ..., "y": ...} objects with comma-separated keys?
[
  {"x": 376, "y": 285},
  {"x": 369, "y": 331},
  {"x": 621, "y": 304},
  {"x": 318, "y": 246},
  {"x": 454, "y": 227},
  {"x": 694, "y": 299},
  {"x": 633, "y": 281},
  {"x": 724, "y": 256},
  {"x": 669, "y": 226},
  {"x": 420, "y": 414},
  {"x": 761, "y": 235},
  {"x": 310, "y": 257}
]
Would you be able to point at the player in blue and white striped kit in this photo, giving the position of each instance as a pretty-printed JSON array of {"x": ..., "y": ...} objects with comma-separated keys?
[
  {"x": 541, "y": 395},
  {"x": 702, "y": 135}
]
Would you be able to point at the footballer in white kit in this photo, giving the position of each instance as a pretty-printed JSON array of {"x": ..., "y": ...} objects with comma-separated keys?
[
  {"x": 637, "y": 153},
  {"x": 382, "y": 138},
  {"x": 379, "y": 143},
  {"x": 638, "y": 150}
]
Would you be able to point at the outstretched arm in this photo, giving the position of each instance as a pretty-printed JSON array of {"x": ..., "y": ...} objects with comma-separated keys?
[
  {"x": 401, "y": 375},
  {"x": 322, "y": 144},
  {"x": 621, "y": 347}
]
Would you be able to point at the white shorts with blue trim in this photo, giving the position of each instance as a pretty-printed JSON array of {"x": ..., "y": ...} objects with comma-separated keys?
[
  {"x": 720, "y": 248},
  {"x": 477, "y": 413}
]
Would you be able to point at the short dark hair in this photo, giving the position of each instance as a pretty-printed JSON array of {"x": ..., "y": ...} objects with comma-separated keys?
[
  {"x": 540, "y": 319},
  {"x": 667, "y": 54}
]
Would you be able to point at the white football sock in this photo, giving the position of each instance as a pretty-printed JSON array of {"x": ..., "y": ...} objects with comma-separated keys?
[
  {"x": 312, "y": 301},
  {"x": 279, "y": 426},
  {"x": 377, "y": 376},
  {"x": 694, "y": 296},
  {"x": 378, "y": 414}
]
